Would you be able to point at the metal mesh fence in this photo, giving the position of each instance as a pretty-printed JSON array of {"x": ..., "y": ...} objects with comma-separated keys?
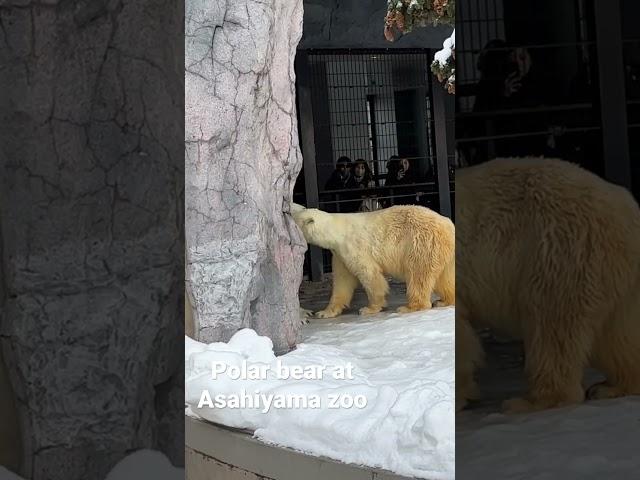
[
  {"x": 529, "y": 82},
  {"x": 372, "y": 106},
  {"x": 374, "y": 130}
]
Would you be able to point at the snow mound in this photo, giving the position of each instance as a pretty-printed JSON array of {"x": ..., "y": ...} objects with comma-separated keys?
[{"x": 384, "y": 391}]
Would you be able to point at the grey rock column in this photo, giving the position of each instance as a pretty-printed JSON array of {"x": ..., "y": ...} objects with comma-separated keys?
[{"x": 244, "y": 253}]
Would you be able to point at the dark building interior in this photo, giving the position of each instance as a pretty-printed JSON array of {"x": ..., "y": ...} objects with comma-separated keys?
[{"x": 559, "y": 79}]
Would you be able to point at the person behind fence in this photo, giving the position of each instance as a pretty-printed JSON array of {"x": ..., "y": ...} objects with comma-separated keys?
[
  {"x": 393, "y": 166},
  {"x": 509, "y": 80},
  {"x": 342, "y": 177},
  {"x": 391, "y": 177},
  {"x": 363, "y": 178},
  {"x": 400, "y": 172}
]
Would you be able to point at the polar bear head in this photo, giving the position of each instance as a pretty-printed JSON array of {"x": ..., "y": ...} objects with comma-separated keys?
[
  {"x": 296, "y": 208},
  {"x": 316, "y": 226}
]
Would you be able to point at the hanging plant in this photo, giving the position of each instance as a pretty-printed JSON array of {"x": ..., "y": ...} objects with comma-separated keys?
[{"x": 405, "y": 15}]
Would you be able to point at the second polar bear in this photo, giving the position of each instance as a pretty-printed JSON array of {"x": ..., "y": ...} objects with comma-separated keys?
[
  {"x": 407, "y": 242},
  {"x": 548, "y": 254}
]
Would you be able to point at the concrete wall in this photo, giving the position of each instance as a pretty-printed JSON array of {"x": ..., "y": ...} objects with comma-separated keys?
[
  {"x": 218, "y": 453},
  {"x": 359, "y": 24}
]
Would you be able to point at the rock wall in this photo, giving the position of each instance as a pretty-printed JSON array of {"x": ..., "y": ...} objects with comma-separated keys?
[
  {"x": 244, "y": 253},
  {"x": 91, "y": 130}
]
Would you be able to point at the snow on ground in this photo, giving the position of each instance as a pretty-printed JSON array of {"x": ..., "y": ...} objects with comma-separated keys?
[
  {"x": 596, "y": 440},
  {"x": 403, "y": 367}
]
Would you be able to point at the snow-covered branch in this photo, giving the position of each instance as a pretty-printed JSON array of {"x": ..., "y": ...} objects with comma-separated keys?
[{"x": 444, "y": 63}]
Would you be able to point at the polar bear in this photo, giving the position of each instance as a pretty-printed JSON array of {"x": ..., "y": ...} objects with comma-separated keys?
[
  {"x": 549, "y": 253},
  {"x": 409, "y": 243}
]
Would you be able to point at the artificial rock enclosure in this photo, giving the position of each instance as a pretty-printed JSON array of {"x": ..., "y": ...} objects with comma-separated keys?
[{"x": 244, "y": 254}]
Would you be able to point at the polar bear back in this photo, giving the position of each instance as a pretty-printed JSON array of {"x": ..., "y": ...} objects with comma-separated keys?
[
  {"x": 398, "y": 238},
  {"x": 531, "y": 227}
]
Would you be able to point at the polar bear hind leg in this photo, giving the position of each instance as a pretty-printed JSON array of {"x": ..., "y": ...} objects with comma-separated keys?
[
  {"x": 446, "y": 285},
  {"x": 420, "y": 285},
  {"x": 557, "y": 347},
  {"x": 425, "y": 270},
  {"x": 617, "y": 354}
]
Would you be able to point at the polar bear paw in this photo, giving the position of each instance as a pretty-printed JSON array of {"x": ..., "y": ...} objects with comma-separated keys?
[
  {"x": 523, "y": 405},
  {"x": 328, "y": 313},
  {"x": 304, "y": 315},
  {"x": 370, "y": 310},
  {"x": 603, "y": 391},
  {"x": 408, "y": 309},
  {"x": 518, "y": 405}
]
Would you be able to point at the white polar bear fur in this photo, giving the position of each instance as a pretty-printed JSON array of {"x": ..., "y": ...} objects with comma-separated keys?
[
  {"x": 548, "y": 253},
  {"x": 409, "y": 243}
]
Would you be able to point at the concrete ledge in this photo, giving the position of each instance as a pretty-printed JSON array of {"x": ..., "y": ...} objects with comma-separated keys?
[{"x": 214, "y": 452}]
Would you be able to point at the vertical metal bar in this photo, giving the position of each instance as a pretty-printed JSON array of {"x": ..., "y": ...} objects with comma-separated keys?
[
  {"x": 442, "y": 155},
  {"x": 307, "y": 136},
  {"x": 613, "y": 109},
  {"x": 374, "y": 136},
  {"x": 341, "y": 115}
]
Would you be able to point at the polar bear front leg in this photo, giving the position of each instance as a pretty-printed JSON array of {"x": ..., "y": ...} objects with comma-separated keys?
[
  {"x": 344, "y": 284},
  {"x": 469, "y": 357},
  {"x": 375, "y": 285},
  {"x": 617, "y": 355}
]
